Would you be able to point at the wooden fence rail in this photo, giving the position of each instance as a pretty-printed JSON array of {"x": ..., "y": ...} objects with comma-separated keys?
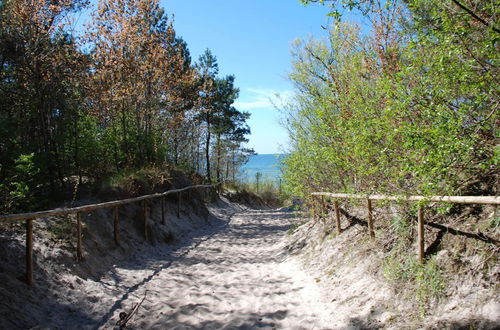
[
  {"x": 29, "y": 217},
  {"x": 486, "y": 200},
  {"x": 490, "y": 200}
]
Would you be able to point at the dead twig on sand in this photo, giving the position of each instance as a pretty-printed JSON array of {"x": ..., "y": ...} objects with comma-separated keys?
[{"x": 125, "y": 317}]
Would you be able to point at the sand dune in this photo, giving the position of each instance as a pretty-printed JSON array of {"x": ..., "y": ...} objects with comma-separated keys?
[{"x": 237, "y": 277}]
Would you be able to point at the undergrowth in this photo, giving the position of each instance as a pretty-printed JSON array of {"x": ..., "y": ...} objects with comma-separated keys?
[
  {"x": 63, "y": 227},
  {"x": 426, "y": 282},
  {"x": 135, "y": 182},
  {"x": 267, "y": 189},
  {"x": 495, "y": 222}
]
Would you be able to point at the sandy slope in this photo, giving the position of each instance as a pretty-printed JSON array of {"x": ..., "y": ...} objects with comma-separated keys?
[
  {"x": 237, "y": 277},
  {"x": 237, "y": 269},
  {"x": 350, "y": 269}
]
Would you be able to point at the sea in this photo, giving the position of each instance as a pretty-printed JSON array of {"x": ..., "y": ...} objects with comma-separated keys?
[{"x": 268, "y": 165}]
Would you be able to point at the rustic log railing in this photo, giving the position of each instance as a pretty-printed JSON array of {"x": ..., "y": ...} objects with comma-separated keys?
[
  {"x": 29, "y": 217},
  {"x": 485, "y": 200}
]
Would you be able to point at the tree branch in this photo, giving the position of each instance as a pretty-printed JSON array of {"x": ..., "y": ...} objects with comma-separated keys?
[{"x": 471, "y": 13}]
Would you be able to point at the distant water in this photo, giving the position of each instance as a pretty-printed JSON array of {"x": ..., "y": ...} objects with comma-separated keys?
[{"x": 267, "y": 164}]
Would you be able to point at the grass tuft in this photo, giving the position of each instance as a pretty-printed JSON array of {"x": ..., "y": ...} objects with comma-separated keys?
[{"x": 426, "y": 282}]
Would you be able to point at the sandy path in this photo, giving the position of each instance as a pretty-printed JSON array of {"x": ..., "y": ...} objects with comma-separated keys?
[{"x": 238, "y": 278}]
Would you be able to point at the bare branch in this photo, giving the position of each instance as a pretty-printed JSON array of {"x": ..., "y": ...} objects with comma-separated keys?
[{"x": 471, "y": 13}]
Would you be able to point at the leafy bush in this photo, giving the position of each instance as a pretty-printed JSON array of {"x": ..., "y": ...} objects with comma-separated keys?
[
  {"x": 409, "y": 108},
  {"x": 424, "y": 281},
  {"x": 268, "y": 189},
  {"x": 17, "y": 191},
  {"x": 137, "y": 182}
]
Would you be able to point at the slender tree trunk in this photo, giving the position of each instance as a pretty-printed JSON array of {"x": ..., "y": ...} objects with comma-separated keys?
[
  {"x": 76, "y": 150},
  {"x": 140, "y": 136},
  {"x": 227, "y": 169},
  {"x": 176, "y": 148},
  {"x": 207, "y": 149},
  {"x": 218, "y": 169},
  {"x": 125, "y": 145},
  {"x": 234, "y": 166},
  {"x": 42, "y": 111},
  {"x": 115, "y": 148}
]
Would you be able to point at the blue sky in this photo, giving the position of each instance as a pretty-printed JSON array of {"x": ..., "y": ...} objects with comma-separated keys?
[{"x": 252, "y": 40}]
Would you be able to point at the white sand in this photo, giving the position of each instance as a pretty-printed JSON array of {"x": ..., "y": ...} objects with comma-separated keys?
[
  {"x": 238, "y": 269},
  {"x": 234, "y": 279},
  {"x": 349, "y": 267},
  {"x": 238, "y": 277}
]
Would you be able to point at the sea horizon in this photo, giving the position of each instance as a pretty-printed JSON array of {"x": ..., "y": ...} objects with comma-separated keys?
[{"x": 268, "y": 165}]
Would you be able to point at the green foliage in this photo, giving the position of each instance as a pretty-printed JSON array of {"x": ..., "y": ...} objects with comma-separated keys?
[
  {"x": 131, "y": 182},
  {"x": 411, "y": 110},
  {"x": 258, "y": 177},
  {"x": 63, "y": 229},
  {"x": 426, "y": 282},
  {"x": 430, "y": 284},
  {"x": 495, "y": 222},
  {"x": 17, "y": 189},
  {"x": 402, "y": 228},
  {"x": 129, "y": 99},
  {"x": 268, "y": 189}
]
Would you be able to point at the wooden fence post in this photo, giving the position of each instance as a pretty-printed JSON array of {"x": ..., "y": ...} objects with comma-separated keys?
[
  {"x": 337, "y": 216},
  {"x": 162, "y": 210},
  {"x": 421, "y": 239},
  {"x": 145, "y": 218},
  {"x": 79, "y": 254},
  {"x": 313, "y": 208},
  {"x": 370, "y": 218},
  {"x": 316, "y": 208},
  {"x": 29, "y": 252},
  {"x": 116, "y": 231}
]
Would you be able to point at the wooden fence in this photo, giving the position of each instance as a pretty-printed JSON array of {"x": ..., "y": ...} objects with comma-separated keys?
[
  {"x": 29, "y": 217},
  {"x": 486, "y": 200}
]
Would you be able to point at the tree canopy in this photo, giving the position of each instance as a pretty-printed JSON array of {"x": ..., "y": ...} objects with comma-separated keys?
[
  {"x": 411, "y": 107},
  {"x": 124, "y": 95}
]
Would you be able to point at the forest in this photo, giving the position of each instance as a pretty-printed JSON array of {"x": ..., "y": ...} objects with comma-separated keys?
[
  {"x": 408, "y": 107},
  {"x": 123, "y": 94}
]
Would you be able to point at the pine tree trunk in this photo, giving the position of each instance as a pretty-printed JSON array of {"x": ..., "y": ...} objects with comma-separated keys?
[
  {"x": 218, "y": 169},
  {"x": 207, "y": 150}
]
